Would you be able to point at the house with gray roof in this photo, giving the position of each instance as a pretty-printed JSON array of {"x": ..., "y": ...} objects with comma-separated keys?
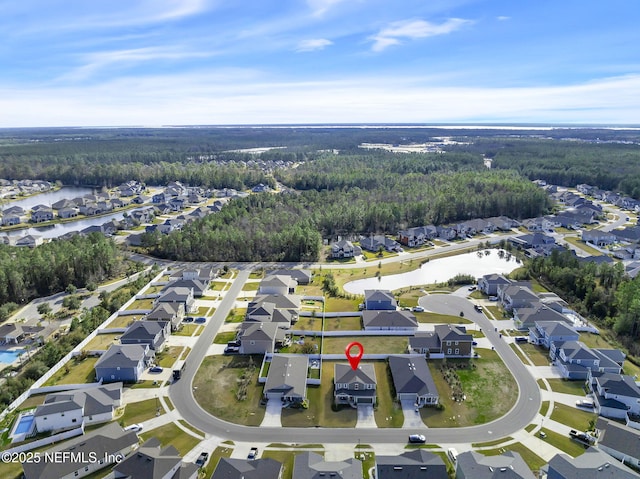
[
  {"x": 228, "y": 468},
  {"x": 196, "y": 285},
  {"x": 598, "y": 237},
  {"x": 309, "y": 465},
  {"x": 508, "y": 465},
  {"x": 376, "y": 299},
  {"x": 619, "y": 441},
  {"x": 513, "y": 296},
  {"x": 354, "y": 386},
  {"x": 151, "y": 461},
  {"x": 417, "y": 236},
  {"x": 259, "y": 338},
  {"x": 412, "y": 380},
  {"x": 178, "y": 295},
  {"x": 574, "y": 359},
  {"x": 593, "y": 464},
  {"x": 152, "y": 333},
  {"x": 280, "y": 301},
  {"x": 123, "y": 362},
  {"x": 546, "y": 332},
  {"x": 454, "y": 340},
  {"x": 416, "y": 464},
  {"x": 108, "y": 444},
  {"x": 425, "y": 342},
  {"x": 489, "y": 283},
  {"x": 74, "y": 408},
  {"x": 344, "y": 249},
  {"x": 302, "y": 276},
  {"x": 376, "y": 243},
  {"x": 526, "y": 317},
  {"x": 171, "y": 312},
  {"x": 277, "y": 284},
  {"x": 389, "y": 320},
  {"x": 615, "y": 395},
  {"x": 287, "y": 378}
]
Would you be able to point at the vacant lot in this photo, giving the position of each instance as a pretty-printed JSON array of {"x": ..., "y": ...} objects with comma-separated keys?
[
  {"x": 371, "y": 344},
  {"x": 538, "y": 355},
  {"x": 136, "y": 412},
  {"x": 102, "y": 342},
  {"x": 221, "y": 378},
  {"x": 490, "y": 391},
  {"x": 351, "y": 323},
  {"x": 76, "y": 371},
  {"x": 572, "y": 417},
  {"x": 170, "y": 434},
  {"x": 567, "y": 387}
]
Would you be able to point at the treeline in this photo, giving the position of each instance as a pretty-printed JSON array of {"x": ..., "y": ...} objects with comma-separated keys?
[
  {"x": 289, "y": 227},
  {"x": 27, "y": 273},
  {"x": 601, "y": 293}
]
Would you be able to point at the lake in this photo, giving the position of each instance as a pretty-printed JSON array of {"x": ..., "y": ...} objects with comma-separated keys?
[
  {"x": 49, "y": 197},
  {"x": 439, "y": 271}
]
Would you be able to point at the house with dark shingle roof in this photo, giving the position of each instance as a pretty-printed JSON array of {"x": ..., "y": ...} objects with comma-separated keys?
[
  {"x": 508, "y": 465},
  {"x": 178, "y": 295},
  {"x": 108, "y": 444},
  {"x": 309, "y": 465},
  {"x": 454, "y": 340},
  {"x": 615, "y": 395},
  {"x": 425, "y": 342},
  {"x": 376, "y": 299},
  {"x": 379, "y": 242},
  {"x": 593, "y": 464},
  {"x": 344, "y": 249},
  {"x": 277, "y": 284},
  {"x": 574, "y": 359},
  {"x": 354, "y": 386},
  {"x": 228, "y": 468},
  {"x": 526, "y": 317},
  {"x": 123, "y": 362},
  {"x": 619, "y": 441},
  {"x": 302, "y": 276},
  {"x": 171, "y": 312},
  {"x": 287, "y": 378},
  {"x": 489, "y": 283},
  {"x": 546, "y": 332},
  {"x": 412, "y": 380},
  {"x": 416, "y": 464},
  {"x": 151, "y": 461},
  {"x": 152, "y": 333},
  {"x": 259, "y": 338},
  {"x": 389, "y": 320}
]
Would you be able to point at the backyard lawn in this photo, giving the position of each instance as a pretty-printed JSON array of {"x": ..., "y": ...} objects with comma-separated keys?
[
  {"x": 170, "y": 434},
  {"x": 336, "y": 305},
  {"x": 490, "y": 391},
  {"x": 371, "y": 344},
  {"x": 306, "y": 323},
  {"x": 141, "y": 304},
  {"x": 123, "y": 321},
  {"x": 76, "y": 371},
  {"x": 351, "y": 323},
  {"x": 218, "y": 382},
  {"x": 102, "y": 342}
]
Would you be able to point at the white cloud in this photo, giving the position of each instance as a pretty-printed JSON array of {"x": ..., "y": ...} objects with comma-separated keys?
[
  {"x": 313, "y": 44},
  {"x": 411, "y": 29},
  {"x": 320, "y": 7},
  {"x": 503, "y": 18}
]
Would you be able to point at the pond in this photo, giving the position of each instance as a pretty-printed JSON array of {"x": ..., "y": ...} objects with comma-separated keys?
[
  {"x": 440, "y": 270},
  {"x": 49, "y": 197}
]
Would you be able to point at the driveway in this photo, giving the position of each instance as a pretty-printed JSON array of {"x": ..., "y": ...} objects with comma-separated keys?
[
  {"x": 272, "y": 414},
  {"x": 412, "y": 419},
  {"x": 365, "y": 416}
]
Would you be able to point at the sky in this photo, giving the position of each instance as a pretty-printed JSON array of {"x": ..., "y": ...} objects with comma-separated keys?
[{"x": 220, "y": 62}]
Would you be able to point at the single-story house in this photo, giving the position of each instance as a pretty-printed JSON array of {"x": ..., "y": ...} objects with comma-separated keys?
[
  {"x": 389, "y": 320},
  {"x": 152, "y": 461},
  {"x": 228, "y": 468},
  {"x": 377, "y": 300},
  {"x": 354, "y": 386},
  {"x": 287, "y": 378},
  {"x": 415, "y": 464},
  {"x": 310, "y": 465},
  {"x": 123, "y": 362},
  {"x": 412, "y": 380}
]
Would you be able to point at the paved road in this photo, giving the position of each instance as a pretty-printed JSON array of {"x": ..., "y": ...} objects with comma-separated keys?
[{"x": 520, "y": 415}]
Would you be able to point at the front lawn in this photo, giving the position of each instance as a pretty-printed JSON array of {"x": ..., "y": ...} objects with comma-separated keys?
[
  {"x": 371, "y": 344},
  {"x": 76, "y": 371},
  {"x": 538, "y": 355},
  {"x": 224, "y": 338},
  {"x": 573, "y": 417},
  {"x": 170, "y": 434},
  {"x": 221, "y": 380},
  {"x": 567, "y": 387},
  {"x": 168, "y": 356},
  {"x": 388, "y": 412},
  {"x": 534, "y": 461},
  {"x": 214, "y": 459},
  {"x": 564, "y": 443},
  {"x": 490, "y": 390},
  {"x": 136, "y": 412},
  {"x": 251, "y": 286},
  {"x": 188, "y": 330},
  {"x": 236, "y": 315}
]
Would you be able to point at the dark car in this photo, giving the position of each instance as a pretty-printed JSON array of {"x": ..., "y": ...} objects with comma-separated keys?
[
  {"x": 202, "y": 459},
  {"x": 188, "y": 319},
  {"x": 155, "y": 369},
  {"x": 201, "y": 319},
  {"x": 417, "y": 438}
]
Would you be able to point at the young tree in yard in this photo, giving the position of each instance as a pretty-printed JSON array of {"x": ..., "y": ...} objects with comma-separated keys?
[{"x": 44, "y": 309}]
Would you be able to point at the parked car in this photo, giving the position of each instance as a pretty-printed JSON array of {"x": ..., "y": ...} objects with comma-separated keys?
[
  {"x": 472, "y": 288},
  {"x": 521, "y": 339},
  {"x": 585, "y": 403},
  {"x": 134, "y": 427},
  {"x": 201, "y": 319},
  {"x": 253, "y": 453},
  {"x": 417, "y": 438},
  {"x": 478, "y": 308},
  {"x": 155, "y": 369},
  {"x": 453, "y": 454},
  {"x": 493, "y": 298},
  {"x": 202, "y": 459},
  {"x": 231, "y": 350},
  {"x": 418, "y": 309},
  {"x": 188, "y": 319}
]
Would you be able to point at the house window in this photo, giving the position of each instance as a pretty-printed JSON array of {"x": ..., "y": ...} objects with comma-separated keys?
[
  {"x": 448, "y": 343},
  {"x": 74, "y": 420},
  {"x": 252, "y": 342},
  {"x": 457, "y": 351},
  {"x": 449, "y": 351},
  {"x": 356, "y": 386},
  {"x": 456, "y": 343}
]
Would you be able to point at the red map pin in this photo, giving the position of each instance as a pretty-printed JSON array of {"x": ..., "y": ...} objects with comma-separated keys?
[{"x": 354, "y": 359}]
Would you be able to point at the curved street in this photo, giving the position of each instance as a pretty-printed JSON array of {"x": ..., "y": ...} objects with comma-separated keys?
[{"x": 518, "y": 417}]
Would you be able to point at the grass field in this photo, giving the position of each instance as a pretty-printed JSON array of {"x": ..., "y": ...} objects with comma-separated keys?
[
  {"x": 123, "y": 321},
  {"x": 224, "y": 338},
  {"x": 188, "y": 330},
  {"x": 168, "y": 356},
  {"x": 567, "y": 387},
  {"x": 435, "y": 318},
  {"x": 251, "y": 286},
  {"x": 564, "y": 443},
  {"x": 539, "y": 356},
  {"x": 74, "y": 372},
  {"x": 236, "y": 315},
  {"x": 371, "y": 344},
  {"x": 336, "y": 305},
  {"x": 534, "y": 461},
  {"x": 572, "y": 417},
  {"x": 136, "y": 412},
  {"x": 351, "y": 323},
  {"x": 170, "y": 434},
  {"x": 490, "y": 389},
  {"x": 216, "y": 384},
  {"x": 141, "y": 304},
  {"x": 388, "y": 412},
  {"x": 101, "y": 342},
  {"x": 308, "y": 323}
]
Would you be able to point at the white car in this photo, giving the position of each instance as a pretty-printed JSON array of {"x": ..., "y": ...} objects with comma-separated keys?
[
  {"x": 418, "y": 309},
  {"x": 134, "y": 427}
]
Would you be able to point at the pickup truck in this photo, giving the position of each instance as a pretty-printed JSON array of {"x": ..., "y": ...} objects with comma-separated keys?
[
  {"x": 582, "y": 437},
  {"x": 253, "y": 453}
]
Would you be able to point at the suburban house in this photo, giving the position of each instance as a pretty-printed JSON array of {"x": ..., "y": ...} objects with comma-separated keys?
[
  {"x": 415, "y": 464},
  {"x": 268, "y": 313},
  {"x": 72, "y": 409},
  {"x": 526, "y": 317},
  {"x": 287, "y": 378},
  {"x": 413, "y": 381},
  {"x": 171, "y": 312},
  {"x": 538, "y": 224},
  {"x": 574, "y": 359},
  {"x": 123, "y": 362},
  {"x": 11, "y": 333},
  {"x": 417, "y": 236},
  {"x": 454, "y": 340},
  {"x": 152, "y": 461},
  {"x": 29, "y": 241},
  {"x": 619, "y": 441},
  {"x": 69, "y": 212},
  {"x": 516, "y": 295},
  {"x": 152, "y": 333},
  {"x": 615, "y": 396},
  {"x": 536, "y": 241},
  {"x": 290, "y": 302},
  {"x": 489, "y": 283},
  {"x": 107, "y": 444},
  {"x": 389, "y": 320},
  {"x": 260, "y": 338},
  {"x": 503, "y": 223},
  {"x": 354, "y": 386},
  {"x": 344, "y": 249},
  {"x": 196, "y": 285},
  {"x": 302, "y": 276},
  {"x": 425, "y": 342},
  {"x": 38, "y": 216},
  {"x": 590, "y": 464},
  {"x": 446, "y": 232},
  {"x": 228, "y": 468},
  {"x": 379, "y": 242},
  {"x": 309, "y": 465},
  {"x": 377, "y": 300},
  {"x": 277, "y": 284},
  {"x": 179, "y": 295},
  {"x": 598, "y": 237},
  {"x": 544, "y": 333},
  {"x": 473, "y": 465}
]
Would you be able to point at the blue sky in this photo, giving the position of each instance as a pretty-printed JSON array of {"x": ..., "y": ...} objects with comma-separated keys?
[{"x": 181, "y": 62}]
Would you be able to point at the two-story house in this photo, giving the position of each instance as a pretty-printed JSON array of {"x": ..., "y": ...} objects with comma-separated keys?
[
  {"x": 615, "y": 395},
  {"x": 344, "y": 249},
  {"x": 354, "y": 386},
  {"x": 375, "y": 299}
]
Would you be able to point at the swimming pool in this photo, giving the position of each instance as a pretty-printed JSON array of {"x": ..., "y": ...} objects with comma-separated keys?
[
  {"x": 24, "y": 425},
  {"x": 8, "y": 357}
]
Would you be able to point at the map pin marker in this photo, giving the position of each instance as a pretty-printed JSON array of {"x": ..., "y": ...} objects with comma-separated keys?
[{"x": 354, "y": 359}]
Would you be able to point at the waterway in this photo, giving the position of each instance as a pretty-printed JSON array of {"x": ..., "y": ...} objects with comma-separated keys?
[
  {"x": 440, "y": 270},
  {"x": 49, "y": 197}
]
